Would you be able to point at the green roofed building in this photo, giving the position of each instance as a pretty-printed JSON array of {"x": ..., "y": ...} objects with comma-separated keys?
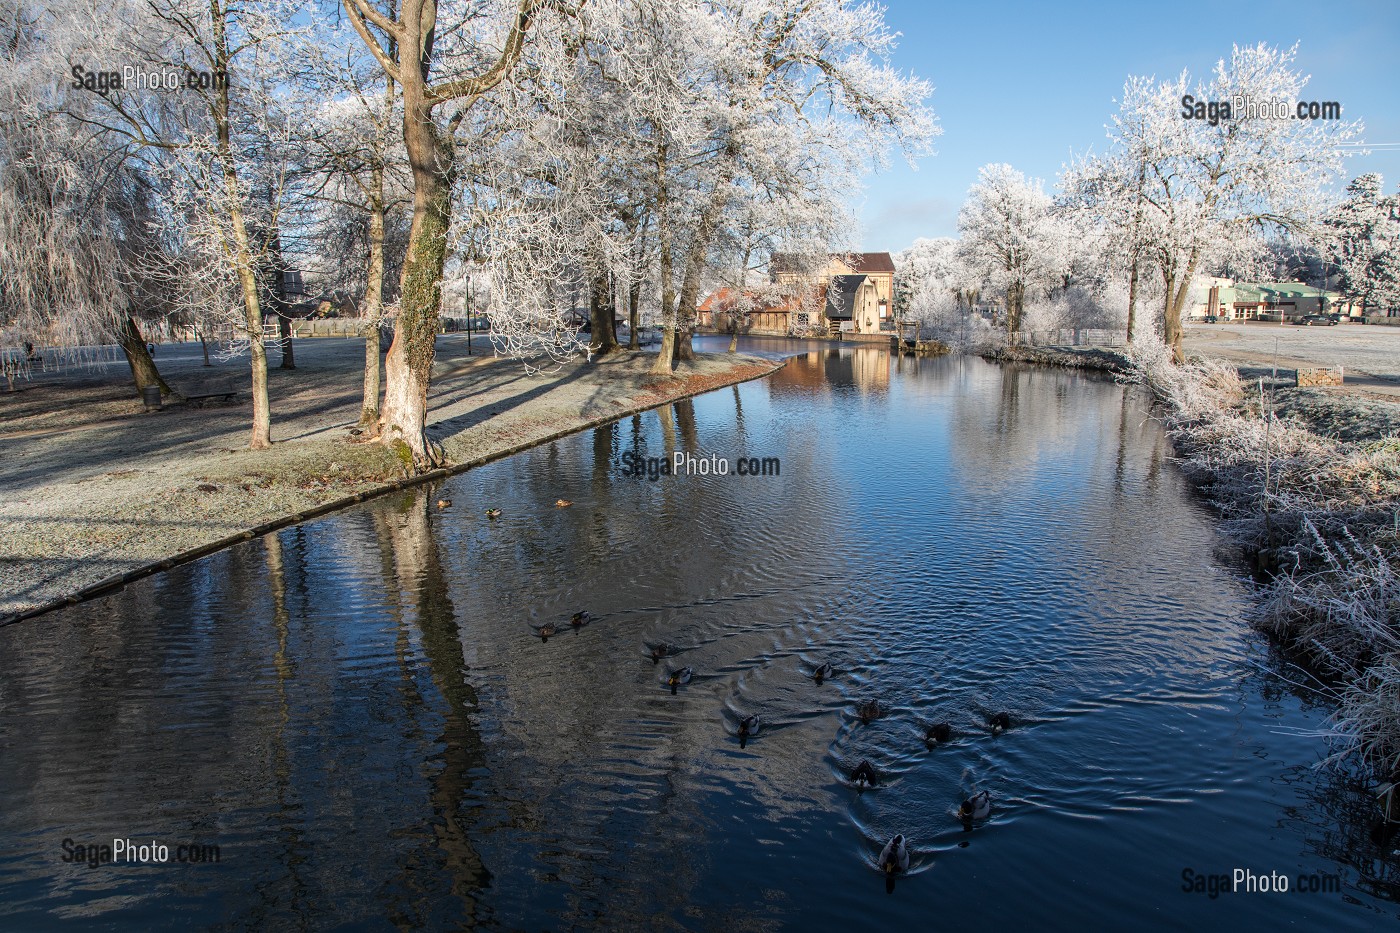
[{"x": 1266, "y": 301}]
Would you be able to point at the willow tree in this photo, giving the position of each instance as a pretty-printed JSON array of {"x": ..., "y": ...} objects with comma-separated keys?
[{"x": 407, "y": 46}]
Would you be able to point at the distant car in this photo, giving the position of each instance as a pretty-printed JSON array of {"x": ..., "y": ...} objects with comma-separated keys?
[
  {"x": 1212, "y": 319},
  {"x": 1308, "y": 320}
]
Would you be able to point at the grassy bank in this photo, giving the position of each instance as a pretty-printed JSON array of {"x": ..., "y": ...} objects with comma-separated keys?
[
  {"x": 1309, "y": 486},
  {"x": 101, "y": 493},
  {"x": 1094, "y": 358}
]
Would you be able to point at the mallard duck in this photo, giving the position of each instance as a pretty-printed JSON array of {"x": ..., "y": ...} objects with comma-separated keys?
[
  {"x": 864, "y": 775},
  {"x": 546, "y": 630},
  {"x": 444, "y": 503},
  {"x": 976, "y": 807},
  {"x": 938, "y": 732},
  {"x": 823, "y": 672},
  {"x": 562, "y": 503},
  {"x": 748, "y": 727},
  {"x": 493, "y": 513},
  {"x": 894, "y": 857},
  {"x": 869, "y": 711},
  {"x": 999, "y": 722},
  {"x": 580, "y": 619},
  {"x": 675, "y": 678},
  {"x": 660, "y": 650}
]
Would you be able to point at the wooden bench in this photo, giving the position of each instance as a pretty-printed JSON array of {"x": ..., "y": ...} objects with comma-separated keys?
[{"x": 221, "y": 390}]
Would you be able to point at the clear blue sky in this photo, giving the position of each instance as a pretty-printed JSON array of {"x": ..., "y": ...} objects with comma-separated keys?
[{"x": 1033, "y": 83}]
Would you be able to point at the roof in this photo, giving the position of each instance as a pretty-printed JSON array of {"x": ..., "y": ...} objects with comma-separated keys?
[
  {"x": 868, "y": 263},
  {"x": 841, "y": 296},
  {"x": 1273, "y": 292},
  {"x": 726, "y": 298}
]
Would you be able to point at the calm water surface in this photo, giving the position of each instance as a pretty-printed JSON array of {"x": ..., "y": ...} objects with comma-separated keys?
[{"x": 358, "y": 713}]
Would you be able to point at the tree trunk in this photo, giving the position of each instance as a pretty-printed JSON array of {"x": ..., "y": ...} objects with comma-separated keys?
[
  {"x": 261, "y": 434},
  {"x": 408, "y": 367},
  {"x": 664, "y": 364},
  {"x": 374, "y": 301},
  {"x": 733, "y": 332},
  {"x": 1132, "y": 299},
  {"x": 634, "y": 315},
  {"x": 203, "y": 345},
  {"x": 600, "y": 316},
  {"x": 284, "y": 338},
  {"x": 143, "y": 368},
  {"x": 1015, "y": 297}
]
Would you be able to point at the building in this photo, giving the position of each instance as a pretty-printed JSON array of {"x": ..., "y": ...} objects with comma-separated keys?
[
  {"x": 856, "y": 290},
  {"x": 1266, "y": 301},
  {"x": 774, "y": 315}
]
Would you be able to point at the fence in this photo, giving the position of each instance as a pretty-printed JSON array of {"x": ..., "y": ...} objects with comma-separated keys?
[{"x": 1074, "y": 337}]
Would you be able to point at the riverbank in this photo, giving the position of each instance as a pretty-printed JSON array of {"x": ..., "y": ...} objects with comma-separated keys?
[
  {"x": 97, "y": 492},
  {"x": 1094, "y": 358},
  {"x": 1307, "y": 484}
]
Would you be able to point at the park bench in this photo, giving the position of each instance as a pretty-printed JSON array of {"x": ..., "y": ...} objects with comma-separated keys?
[{"x": 221, "y": 390}]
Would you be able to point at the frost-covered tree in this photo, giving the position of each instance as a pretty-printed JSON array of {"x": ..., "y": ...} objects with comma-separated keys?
[
  {"x": 1009, "y": 237},
  {"x": 1213, "y": 193},
  {"x": 1363, "y": 235}
]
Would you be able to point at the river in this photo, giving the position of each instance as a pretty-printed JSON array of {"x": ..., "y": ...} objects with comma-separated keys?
[{"x": 359, "y": 714}]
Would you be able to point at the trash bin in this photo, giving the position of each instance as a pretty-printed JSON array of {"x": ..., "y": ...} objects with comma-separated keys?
[{"x": 151, "y": 396}]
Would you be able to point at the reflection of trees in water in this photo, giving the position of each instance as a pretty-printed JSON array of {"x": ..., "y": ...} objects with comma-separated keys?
[{"x": 418, "y": 592}]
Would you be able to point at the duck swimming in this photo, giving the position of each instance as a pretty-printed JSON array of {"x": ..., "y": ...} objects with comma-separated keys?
[
  {"x": 678, "y": 677},
  {"x": 580, "y": 619},
  {"x": 938, "y": 732},
  {"x": 546, "y": 630},
  {"x": 976, "y": 807},
  {"x": 864, "y": 775},
  {"x": 660, "y": 650},
  {"x": 493, "y": 513},
  {"x": 823, "y": 672},
  {"x": 444, "y": 503},
  {"x": 562, "y": 503},
  {"x": 999, "y": 722},
  {"x": 748, "y": 726},
  {"x": 894, "y": 857},
  {"x": 869, "y": 711}
]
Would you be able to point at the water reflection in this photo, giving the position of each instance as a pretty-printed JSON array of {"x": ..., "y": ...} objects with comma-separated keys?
[{"x": 356, "y": 710}]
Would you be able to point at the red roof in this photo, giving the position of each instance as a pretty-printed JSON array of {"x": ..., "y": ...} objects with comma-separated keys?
[
  {"x": 859, "y": 262},
  {"x": 868, "y": 262}
]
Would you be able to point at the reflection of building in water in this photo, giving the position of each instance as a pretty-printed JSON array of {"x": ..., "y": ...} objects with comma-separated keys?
[{"x": 866, "y": 369}]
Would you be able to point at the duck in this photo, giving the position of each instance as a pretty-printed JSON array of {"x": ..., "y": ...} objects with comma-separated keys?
[
  {"x": 748, "y": 727},
  {"x": 869, "y": 711},
  {"x": 677, "y": 677},
  {"x": 444, "y": 503},
  {"x": 580, "y": 619},
  {"x": 999, "y": 722},
  {"x": 823, "y": 672},
  {"x": 493, "y": 513},
  {"x": 976, "y": 807},
  {"x": 660, "y": 650},
  {"x": 546, "y": 630},
  {"x": 562, "y": 503},
  {"x": 894, "y": 857},
  {"x": 938, "y": 732},
  {"x": 864, "y": 775}
]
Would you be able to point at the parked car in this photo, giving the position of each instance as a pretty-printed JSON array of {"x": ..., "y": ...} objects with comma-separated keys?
[
  {"x": 1309, "y": 320},
  {"x": 1212, "y": 319}
]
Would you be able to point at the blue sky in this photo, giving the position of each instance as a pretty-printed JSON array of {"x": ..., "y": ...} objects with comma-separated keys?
[{"x": 1034, "y": 83}]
